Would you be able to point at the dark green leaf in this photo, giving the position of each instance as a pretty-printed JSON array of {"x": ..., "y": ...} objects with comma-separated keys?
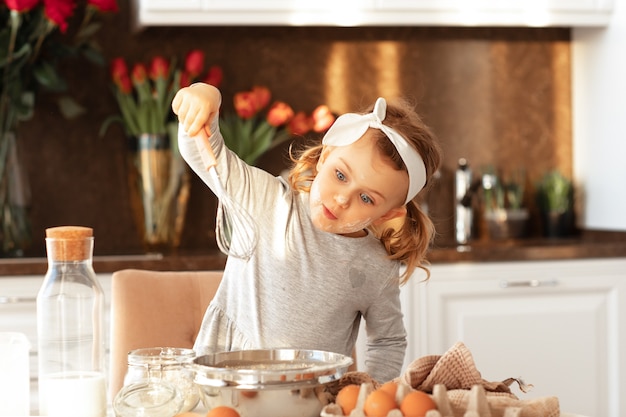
[
  {"x": 48, "y": 77},
  {"x": 69, "y": 108}
]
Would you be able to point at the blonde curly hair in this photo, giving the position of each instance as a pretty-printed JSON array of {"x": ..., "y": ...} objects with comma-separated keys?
[{"x": 407, "y": 239}]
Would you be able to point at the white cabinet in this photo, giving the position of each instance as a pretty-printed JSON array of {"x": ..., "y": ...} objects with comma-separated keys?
[
  {"x": 18, "y": 313},
  {"x": 374, "y": 12},
  {"x": 557, "y": 325}
]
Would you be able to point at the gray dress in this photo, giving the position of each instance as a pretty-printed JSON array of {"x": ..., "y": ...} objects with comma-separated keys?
[{"x": 302, "y": 287}]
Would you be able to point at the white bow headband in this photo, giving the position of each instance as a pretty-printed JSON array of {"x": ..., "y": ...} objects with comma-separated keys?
[{"x": 350, "y": 127}]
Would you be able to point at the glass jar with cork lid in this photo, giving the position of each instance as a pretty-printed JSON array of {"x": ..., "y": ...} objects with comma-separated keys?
[{"x": 70, "y": 328}]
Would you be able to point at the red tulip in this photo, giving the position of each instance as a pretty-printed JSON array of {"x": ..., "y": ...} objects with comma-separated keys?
[
  {"x": 21, "y": 5},
  {"x": 59, "y": 11},
  {"x": 139, "y": 74},
  {"x": 159, "y": 67},
  {"x": 279, "y": 114},
  {"x": 214, "y": 76},
  {"x": 262, "y": 97},
  {"x": 300, "y": 124},
  {"x": 322, "y": 118},
  {"x": 245, "y": 104},
  {"x": 124, "y": 84},
  {"x": 104, "y": 5},
  {"x": 185, "y": 79},
  {"x": 194, "y": 63},
  {"x": 119, "y": 74}
]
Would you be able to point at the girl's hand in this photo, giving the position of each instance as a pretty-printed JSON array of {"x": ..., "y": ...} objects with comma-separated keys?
[{"x": 196, "y": 106}]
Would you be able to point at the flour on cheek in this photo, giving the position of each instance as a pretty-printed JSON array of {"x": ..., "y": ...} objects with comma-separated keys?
[
  {"x": 351, "y": 227},
  {"x": 315, "y": 204},
  {"x": 340, "y": 226}
]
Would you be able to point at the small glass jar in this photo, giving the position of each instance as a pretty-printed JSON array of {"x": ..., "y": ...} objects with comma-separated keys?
[
  {"x": 148, "y": 399},
  {"x": 165, "y": 364}
]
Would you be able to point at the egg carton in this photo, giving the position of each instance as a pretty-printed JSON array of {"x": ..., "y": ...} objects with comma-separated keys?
[{"x": 477, "y": 405}]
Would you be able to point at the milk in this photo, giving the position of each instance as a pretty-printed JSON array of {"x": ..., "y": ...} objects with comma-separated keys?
[
  {"x": 73, "y": 394},
  {"x": 14, "y": 374}
]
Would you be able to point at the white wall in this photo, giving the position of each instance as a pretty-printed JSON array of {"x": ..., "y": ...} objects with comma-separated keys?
[{"x": 599, "y": 122}]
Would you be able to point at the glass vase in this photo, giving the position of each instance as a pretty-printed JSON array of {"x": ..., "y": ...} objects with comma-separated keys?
[
  {"x": 15, "y": 199},
  {"x": 159, "y": 191}
]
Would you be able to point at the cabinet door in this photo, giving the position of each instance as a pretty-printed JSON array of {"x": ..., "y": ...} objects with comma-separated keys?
[
  {"x": 496, "y": 5},
  {"x": 293, "y": 6},
  {"x": 169, "y": 5},
  {"x": 555, "y": 325}
]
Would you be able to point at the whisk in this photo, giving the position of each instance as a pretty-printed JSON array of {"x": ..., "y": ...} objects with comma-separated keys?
[{"x": 236, "y": 231}]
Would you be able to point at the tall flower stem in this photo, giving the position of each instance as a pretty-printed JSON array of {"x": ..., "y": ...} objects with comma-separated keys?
[{"x": 6, "y": 114}]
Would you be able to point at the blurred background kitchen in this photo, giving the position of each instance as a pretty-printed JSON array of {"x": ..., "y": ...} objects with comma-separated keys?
[
  {"x": 517, "y": 90},
  {"x": 498, "y": 96}
]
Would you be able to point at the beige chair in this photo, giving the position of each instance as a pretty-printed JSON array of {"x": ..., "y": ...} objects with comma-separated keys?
[{"x": 154, "y": 308}]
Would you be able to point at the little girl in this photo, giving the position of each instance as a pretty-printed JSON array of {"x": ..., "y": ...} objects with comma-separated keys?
[{"x": 326, "y": 254}]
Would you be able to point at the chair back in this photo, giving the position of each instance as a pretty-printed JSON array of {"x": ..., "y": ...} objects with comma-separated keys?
[{"x": 154, "y": 309}]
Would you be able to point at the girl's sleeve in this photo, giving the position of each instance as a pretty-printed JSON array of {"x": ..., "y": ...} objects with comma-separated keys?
[
  {"x": 191, "y": 153},
  {"x": 248, "y": 185},
  {"x": 386, "y": 336}
]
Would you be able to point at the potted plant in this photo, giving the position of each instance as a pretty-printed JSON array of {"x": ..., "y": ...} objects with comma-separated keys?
[
  {"x": 503, "y": 198},
  {"x": 555, "y": 199}
]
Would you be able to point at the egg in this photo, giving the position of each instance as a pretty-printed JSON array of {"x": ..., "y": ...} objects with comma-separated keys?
[
  {"x": 347, "y": 398},
  {"x": 223, "y": 411},
  {"x": 416, "y": 404},
  {"x": 390, "y": 387},
  {"x": 379, "y": 403}
]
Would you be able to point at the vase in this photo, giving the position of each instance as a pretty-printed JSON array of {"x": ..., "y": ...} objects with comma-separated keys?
[
  {"x": 507, "y": 223},
  {"x": 557, "y": 224},
  {"x": 15, "y": 199},
  {"x": 159, "y": 184}
]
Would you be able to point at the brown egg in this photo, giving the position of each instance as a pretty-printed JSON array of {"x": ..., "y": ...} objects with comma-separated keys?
[
  {"x": 347, "y": 398},
  {"x": 416, "y": 404},
  {"x": 390, "y": 387},
  {"x": 249, "y": 394},
  {"x": 223, "y": 411},
  {"x": 379, "y": 403}
]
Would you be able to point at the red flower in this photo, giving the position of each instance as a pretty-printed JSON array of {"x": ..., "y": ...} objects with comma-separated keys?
[
  {"x": 159, "y": 68},
  {"x": 261, "y": 96},
  {"x": 279, "y": 114},
  {"x": 59, "y": 11},
  {"x": 124, "y": 84},
  {"x": 119, "y": 74},
  {"x": 194, "y": 63},
  {"x": 214, "y": 76},
  {"x": 104, "y": 5},
  {"x": 185, "y": 80},
  {"x": 140, "y": 74},
  {"x": 300, "y": 124},
  {"x": 21, "y": 5},
  {"x": 245, "y": 104},
  {"x": 253, "y": 134},
  {"x": 322, "y": 118}
]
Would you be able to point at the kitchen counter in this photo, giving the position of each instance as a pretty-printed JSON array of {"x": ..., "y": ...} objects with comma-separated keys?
[{"x": 586, "y": 245}]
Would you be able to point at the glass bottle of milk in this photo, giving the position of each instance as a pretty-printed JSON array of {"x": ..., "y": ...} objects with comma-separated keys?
[{"x": 70, "y": 328}]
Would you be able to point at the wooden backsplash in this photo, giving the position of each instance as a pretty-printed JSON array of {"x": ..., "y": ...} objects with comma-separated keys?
[{"x": 494, "y": 96}]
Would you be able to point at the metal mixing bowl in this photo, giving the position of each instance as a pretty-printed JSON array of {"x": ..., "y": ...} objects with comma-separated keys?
[{"x": 268, "y": 382}]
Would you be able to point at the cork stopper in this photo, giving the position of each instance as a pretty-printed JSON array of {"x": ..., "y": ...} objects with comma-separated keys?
[{"x": 69, "y": 243}]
